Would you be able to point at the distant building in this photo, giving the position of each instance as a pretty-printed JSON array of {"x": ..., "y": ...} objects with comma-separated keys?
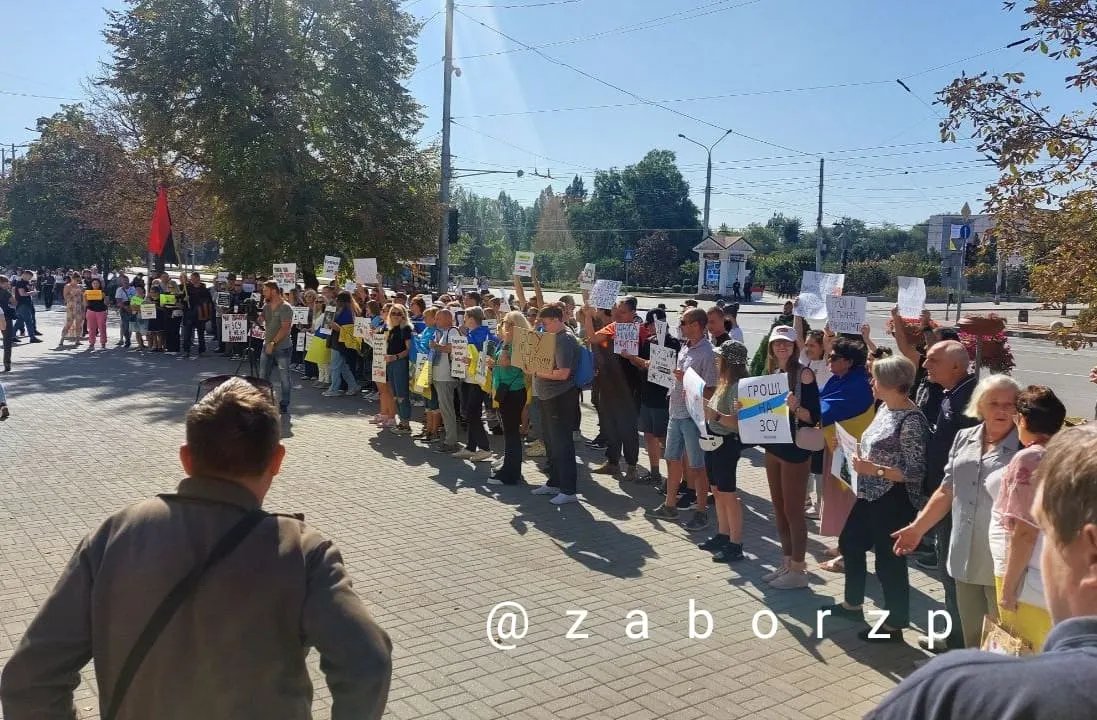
[
  {"x": 722, "y": 261},
  {"x": 939, "y": 239}
]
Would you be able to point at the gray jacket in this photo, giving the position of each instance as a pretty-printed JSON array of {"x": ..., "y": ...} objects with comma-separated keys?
[{"x": 235, "y": 649}]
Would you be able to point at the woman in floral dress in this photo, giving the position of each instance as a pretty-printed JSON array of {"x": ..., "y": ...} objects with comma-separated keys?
[{"x": 74, "y": 311}]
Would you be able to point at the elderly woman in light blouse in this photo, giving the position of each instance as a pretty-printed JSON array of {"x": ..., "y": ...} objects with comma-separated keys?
[
  {"x": 890, "y": 468},
  {"x": 976, "y": 453}
]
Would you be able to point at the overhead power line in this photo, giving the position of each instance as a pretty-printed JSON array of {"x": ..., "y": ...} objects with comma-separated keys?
[{"x": 690, "y": 14}]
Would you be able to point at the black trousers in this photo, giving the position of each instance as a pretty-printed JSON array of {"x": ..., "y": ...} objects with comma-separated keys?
[
  {"x": 192, "y": 325},
  {"x": 558, "y": 423},
  {"x": 869, "y": 527},
  {"x": 511, "y": 411},
  {"x": 9, "y": 339},
  {"x": 474, "y": 410},
  {"x": 617, "y": 418}
]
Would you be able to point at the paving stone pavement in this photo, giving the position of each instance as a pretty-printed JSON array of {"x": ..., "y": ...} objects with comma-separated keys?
[{"x": 432, "y": 549}]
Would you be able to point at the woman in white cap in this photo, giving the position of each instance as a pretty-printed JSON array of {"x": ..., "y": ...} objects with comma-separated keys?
[{"x": 788, "y": 465}]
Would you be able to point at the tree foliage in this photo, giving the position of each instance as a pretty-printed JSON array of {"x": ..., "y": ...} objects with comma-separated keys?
[
  {"x": 1046, "y": 194},
  {"x": 294, "y": 112}
]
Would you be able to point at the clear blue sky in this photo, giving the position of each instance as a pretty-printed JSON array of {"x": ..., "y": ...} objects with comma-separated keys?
[{"x": 757, "y": 68}]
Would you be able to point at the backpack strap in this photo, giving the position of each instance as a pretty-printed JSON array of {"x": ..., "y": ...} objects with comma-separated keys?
[{"x": 171, "y": 603}]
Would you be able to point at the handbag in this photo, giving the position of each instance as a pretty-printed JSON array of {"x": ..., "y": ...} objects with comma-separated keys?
[
  {"x": 171, "y": 603},
  {"x": 807, "y": 437},
  {"x": 999, "y": 640}
]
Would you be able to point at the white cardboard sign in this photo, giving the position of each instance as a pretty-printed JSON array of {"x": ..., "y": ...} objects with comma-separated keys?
[
  {"x": 523, "y": 264},
  {"x": 365, "y": 270},
  {"x": 331, "y": 265},
  {"x": 626, "y": 338},
  {"x": 604, "y": 293},
  {"x": 912, "y": 296},
  {"x": 664, "y": 360},
  {"x": 234, "y": 328},
  {"x": 814, "y": 289},
  {"x": 845, "y": 313}
]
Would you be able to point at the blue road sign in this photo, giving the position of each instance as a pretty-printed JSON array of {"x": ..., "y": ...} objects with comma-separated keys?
[
  {"x": 628, "y": 255},
  {"x": 965, "y": 232}
]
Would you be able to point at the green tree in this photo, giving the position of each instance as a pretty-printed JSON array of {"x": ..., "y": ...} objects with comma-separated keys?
[
  {"x": 295, "y": 112},
  {"x": 649, "y": 264}
]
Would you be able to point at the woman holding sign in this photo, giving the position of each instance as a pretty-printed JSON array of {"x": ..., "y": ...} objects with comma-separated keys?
[
  {"x": 788, "y": 465},
  {"x": 509, "y": 384},
  {"x": 342, "y": 357},
  {"x": 96, "y": 302}
]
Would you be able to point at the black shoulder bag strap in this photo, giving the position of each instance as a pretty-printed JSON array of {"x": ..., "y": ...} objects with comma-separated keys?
[{"x": 168, "y": 607}]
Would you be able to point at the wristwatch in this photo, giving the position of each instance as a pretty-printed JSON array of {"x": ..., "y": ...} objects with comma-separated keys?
[{"x": 880, "y": 472}]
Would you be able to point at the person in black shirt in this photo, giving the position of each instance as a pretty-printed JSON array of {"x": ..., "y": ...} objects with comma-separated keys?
[
  {"x": 946, "y": 365},
  {"x": 198, "y": 308},
  {"x": 7, "y": 309},
  {"x": 654, "y": 399},
  {"x": 717, "y": 329},
  {"x": 24, "y": 306}
]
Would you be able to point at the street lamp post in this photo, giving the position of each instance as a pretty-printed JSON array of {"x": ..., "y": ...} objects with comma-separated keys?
[{"x": 708, "y": 177}]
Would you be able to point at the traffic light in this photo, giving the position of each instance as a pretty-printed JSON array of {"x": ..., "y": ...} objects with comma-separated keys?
[{"x": 452, "y": 227}]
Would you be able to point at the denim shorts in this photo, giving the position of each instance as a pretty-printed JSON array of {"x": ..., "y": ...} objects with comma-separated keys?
[
  {"x": 654, "y": 420},
  {"x": 683, "y": 438}
]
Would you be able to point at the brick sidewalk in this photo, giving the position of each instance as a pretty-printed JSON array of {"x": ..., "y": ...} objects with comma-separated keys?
[{"x": 433, "y": 548}]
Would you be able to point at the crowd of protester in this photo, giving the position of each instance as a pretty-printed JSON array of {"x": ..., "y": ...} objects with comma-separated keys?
[{"x": 947, "y": 468}]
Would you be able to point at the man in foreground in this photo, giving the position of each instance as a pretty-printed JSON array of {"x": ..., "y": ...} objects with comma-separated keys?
[
  {"x": 1058, "y": 683},
  {"x": 268, "y": 588}
]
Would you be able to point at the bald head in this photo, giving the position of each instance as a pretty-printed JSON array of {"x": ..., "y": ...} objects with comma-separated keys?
[{"x": 947, "y": 363}]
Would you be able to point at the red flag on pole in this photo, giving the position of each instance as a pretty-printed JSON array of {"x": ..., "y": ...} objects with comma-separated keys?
[{"x": 161, "y": 242}]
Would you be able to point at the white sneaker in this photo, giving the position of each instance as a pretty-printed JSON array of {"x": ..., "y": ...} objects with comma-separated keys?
[
  {"x": 562, "y": 499},
  {"x": 498, "y": 464},
  {"x": 481, "y": 455},
  {"x": 463, "y": 454},
  {"x": 545, "y": 490},
  {"x": 791, "y": 580},
  {"x": 494, "y": 481},
  {"x": 332, "y": 393}
]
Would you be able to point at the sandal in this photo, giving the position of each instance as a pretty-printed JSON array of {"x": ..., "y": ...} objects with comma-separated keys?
[
  {"x": 832, "y": 552},
  {"x": 835, "y": 566}
]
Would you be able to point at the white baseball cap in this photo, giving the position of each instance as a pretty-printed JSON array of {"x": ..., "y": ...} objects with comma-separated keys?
[{"x": 782, "y": 332}]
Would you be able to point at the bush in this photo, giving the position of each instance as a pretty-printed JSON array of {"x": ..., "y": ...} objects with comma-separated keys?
[
  {"x": 1087, "y": 320},
  {"x": 676, "y": 288},
  {"x": 866, "y": 278}
]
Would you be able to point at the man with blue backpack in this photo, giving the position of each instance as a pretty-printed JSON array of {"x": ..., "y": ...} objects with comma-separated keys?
[{"x": 558, "y": 393}]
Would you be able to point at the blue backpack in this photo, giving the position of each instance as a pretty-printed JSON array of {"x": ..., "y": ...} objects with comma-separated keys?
[{"x": 584, "y": 370}]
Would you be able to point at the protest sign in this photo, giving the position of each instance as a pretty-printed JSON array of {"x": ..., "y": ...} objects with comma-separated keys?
[
  {"x": 604, "y": 293},
  {"x": 664, "y": 361},
  {"x": 223, "y": 299},
  {"x": 586, "y": 278},
  {"x": 845, "y": 313},
  {"x": 523, "y": 264},
  {"x": 302, "y": 339},
  {"x": 814, "y": 289},
  {"x": 249, "y": 287},
  {"x": 543, "y": 356},
  {"x": 841, "y": 465},
  {"x": 350, "y": 286},
  {"x": 377, "y": 368},
  {"x": 365, "y": 270},
  {"x": 764, "y": 419},
  {"x": 148, "y": 311},
  {"x": 626, "y": 338},
  {"x": 694, "y": 385},
  {"x": 493, "y": 325},
  {"x": 234, "y": 328},
  {"x": 331, "y": 265},
  {"x": 912, "y": 297},
  {"x": 166, "y": 299},
  {"x": 300, "y": 315},
  {"x": 362, "y": 328},
  {"x": 285, "y": 274},
  {"x": 222, "y": 276},
  {"x": 660, "y": 332},
  {"x": 522, "y": 347},
  {"x": 458, "y": 356}
]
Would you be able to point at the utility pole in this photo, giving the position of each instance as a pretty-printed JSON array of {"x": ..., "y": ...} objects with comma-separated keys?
[
  {"x": 819, "y": 224},
  {"x": 3, "y": 162},
  {"x": 708, "y": 178},
  {"x": 447, "y": 89}
]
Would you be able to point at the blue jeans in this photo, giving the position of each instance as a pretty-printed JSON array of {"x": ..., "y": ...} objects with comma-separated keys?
[
  {"x": 340, "y": 368},
  {"x": 267, "y": 363},
  {"x": 398, "y": 375},
  {"x": 24, "y": 314}
]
